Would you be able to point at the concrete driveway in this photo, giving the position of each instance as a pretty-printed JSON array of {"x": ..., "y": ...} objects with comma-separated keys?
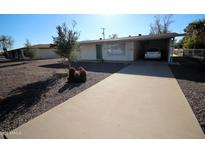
[{"x": 142, "y": 100}]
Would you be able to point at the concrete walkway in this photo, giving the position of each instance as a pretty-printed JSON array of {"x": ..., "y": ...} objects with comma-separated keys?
[{"x": 143, "y": 100}]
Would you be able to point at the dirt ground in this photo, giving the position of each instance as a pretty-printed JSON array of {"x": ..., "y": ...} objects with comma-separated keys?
[
  {"x": 32, "y": 88},
  {"x": 191, "y": 79}
]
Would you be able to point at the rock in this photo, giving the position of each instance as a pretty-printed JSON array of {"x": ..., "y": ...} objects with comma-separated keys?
[
  {"x": 77, "y": 75},
  {"x": 71, "y": 77},
  {"x": 83, "y": 75}
]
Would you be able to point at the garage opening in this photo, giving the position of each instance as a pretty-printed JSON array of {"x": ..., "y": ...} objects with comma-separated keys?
[{"x": 145, "y": 45}]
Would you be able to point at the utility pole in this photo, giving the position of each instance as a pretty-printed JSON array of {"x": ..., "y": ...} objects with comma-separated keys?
[{"x": 103, "y": 33}]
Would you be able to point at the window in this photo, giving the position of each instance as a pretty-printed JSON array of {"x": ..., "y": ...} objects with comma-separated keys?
[{"x": 116, "y": 49}]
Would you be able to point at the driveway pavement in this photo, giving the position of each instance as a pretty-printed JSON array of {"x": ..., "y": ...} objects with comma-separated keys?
[{"x": 142, "y": 100}]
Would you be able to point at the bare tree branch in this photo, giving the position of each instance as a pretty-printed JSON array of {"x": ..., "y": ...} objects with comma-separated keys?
[{"x": 161, "y": 24}]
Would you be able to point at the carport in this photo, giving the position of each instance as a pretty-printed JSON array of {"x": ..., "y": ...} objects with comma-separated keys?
[
  {"x": 162, "y": 42},
  {"x": 159, "y": 44}
]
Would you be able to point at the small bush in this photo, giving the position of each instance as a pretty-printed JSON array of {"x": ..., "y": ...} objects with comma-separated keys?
[{"x": 30, "y": 53}]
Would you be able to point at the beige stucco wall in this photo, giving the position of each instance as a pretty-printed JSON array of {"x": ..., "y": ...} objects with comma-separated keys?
[
  {"x": 88, "y": 52},
  {"x": 128, "y": 54},
  {"x": 133, "y": 50},
  {"x": 46, "y": 54}
]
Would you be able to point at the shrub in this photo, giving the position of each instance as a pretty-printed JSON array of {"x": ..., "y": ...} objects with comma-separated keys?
[{"x": 29, "y": 51}]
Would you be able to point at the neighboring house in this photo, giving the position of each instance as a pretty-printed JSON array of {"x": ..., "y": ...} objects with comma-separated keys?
[
  {"x": 15, "y": 54},
  {"x": 129, "y": 48},
  {"x": 43, "y": 51}
]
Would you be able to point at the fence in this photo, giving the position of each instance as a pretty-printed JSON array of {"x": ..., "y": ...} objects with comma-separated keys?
[{"x": 195, "y": 53}]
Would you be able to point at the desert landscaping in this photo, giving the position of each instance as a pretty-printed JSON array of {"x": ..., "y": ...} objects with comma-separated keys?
[
  {"x": 30, "y": 88},
  {"x": 191, "y": 80},
  {"x": 27, "y": 93}
]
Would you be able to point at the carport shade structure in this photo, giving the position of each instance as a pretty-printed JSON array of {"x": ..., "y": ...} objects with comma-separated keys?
[{"x": 130, "y": 48}]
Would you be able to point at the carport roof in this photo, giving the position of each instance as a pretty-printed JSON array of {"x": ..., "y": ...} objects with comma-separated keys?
[{"x": 135, "y": 38}]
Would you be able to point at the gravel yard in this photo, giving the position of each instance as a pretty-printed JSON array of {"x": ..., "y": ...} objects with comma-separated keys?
[
  {"x": 32, "y": 88},
  {"x": 192, "y": 82}
]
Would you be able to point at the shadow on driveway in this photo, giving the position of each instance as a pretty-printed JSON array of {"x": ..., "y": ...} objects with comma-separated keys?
[{"x": 148, "y": 68}]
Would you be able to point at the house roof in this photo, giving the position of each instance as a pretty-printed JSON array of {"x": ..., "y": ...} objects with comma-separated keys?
[
  {"x": 38, "y": 46},
  {"x": 130, "y": 38},
  {"x": 41, "y": 46},
  {"x": 135, "y": 38}
]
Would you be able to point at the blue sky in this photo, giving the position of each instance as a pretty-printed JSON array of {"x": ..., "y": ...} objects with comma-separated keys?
[{"x": 40, "y": 28}]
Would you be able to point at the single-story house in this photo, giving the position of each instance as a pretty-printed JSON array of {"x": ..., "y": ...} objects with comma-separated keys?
[
  {"x": 43, "y": 51},
  {"x": 126, "y": 49},
  {"x": 129, "y": 48}
]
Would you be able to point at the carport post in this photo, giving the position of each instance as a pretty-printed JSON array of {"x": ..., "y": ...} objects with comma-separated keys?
[
  {"x": 22, "y": 54},
  {"x": 170, "y": 53}
]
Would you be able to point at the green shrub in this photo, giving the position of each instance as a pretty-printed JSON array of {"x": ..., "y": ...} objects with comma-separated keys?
[{"x": 29, "y": 51}]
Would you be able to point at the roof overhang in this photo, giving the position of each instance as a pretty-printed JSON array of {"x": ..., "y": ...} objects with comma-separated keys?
[
  {"x": 38, "y": 46},
  {"x": 131, "y": 38},
  {"x": 135, "y": 38}
]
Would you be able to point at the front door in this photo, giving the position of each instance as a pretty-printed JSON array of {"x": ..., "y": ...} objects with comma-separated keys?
[{"x": 99, "y": 52}]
